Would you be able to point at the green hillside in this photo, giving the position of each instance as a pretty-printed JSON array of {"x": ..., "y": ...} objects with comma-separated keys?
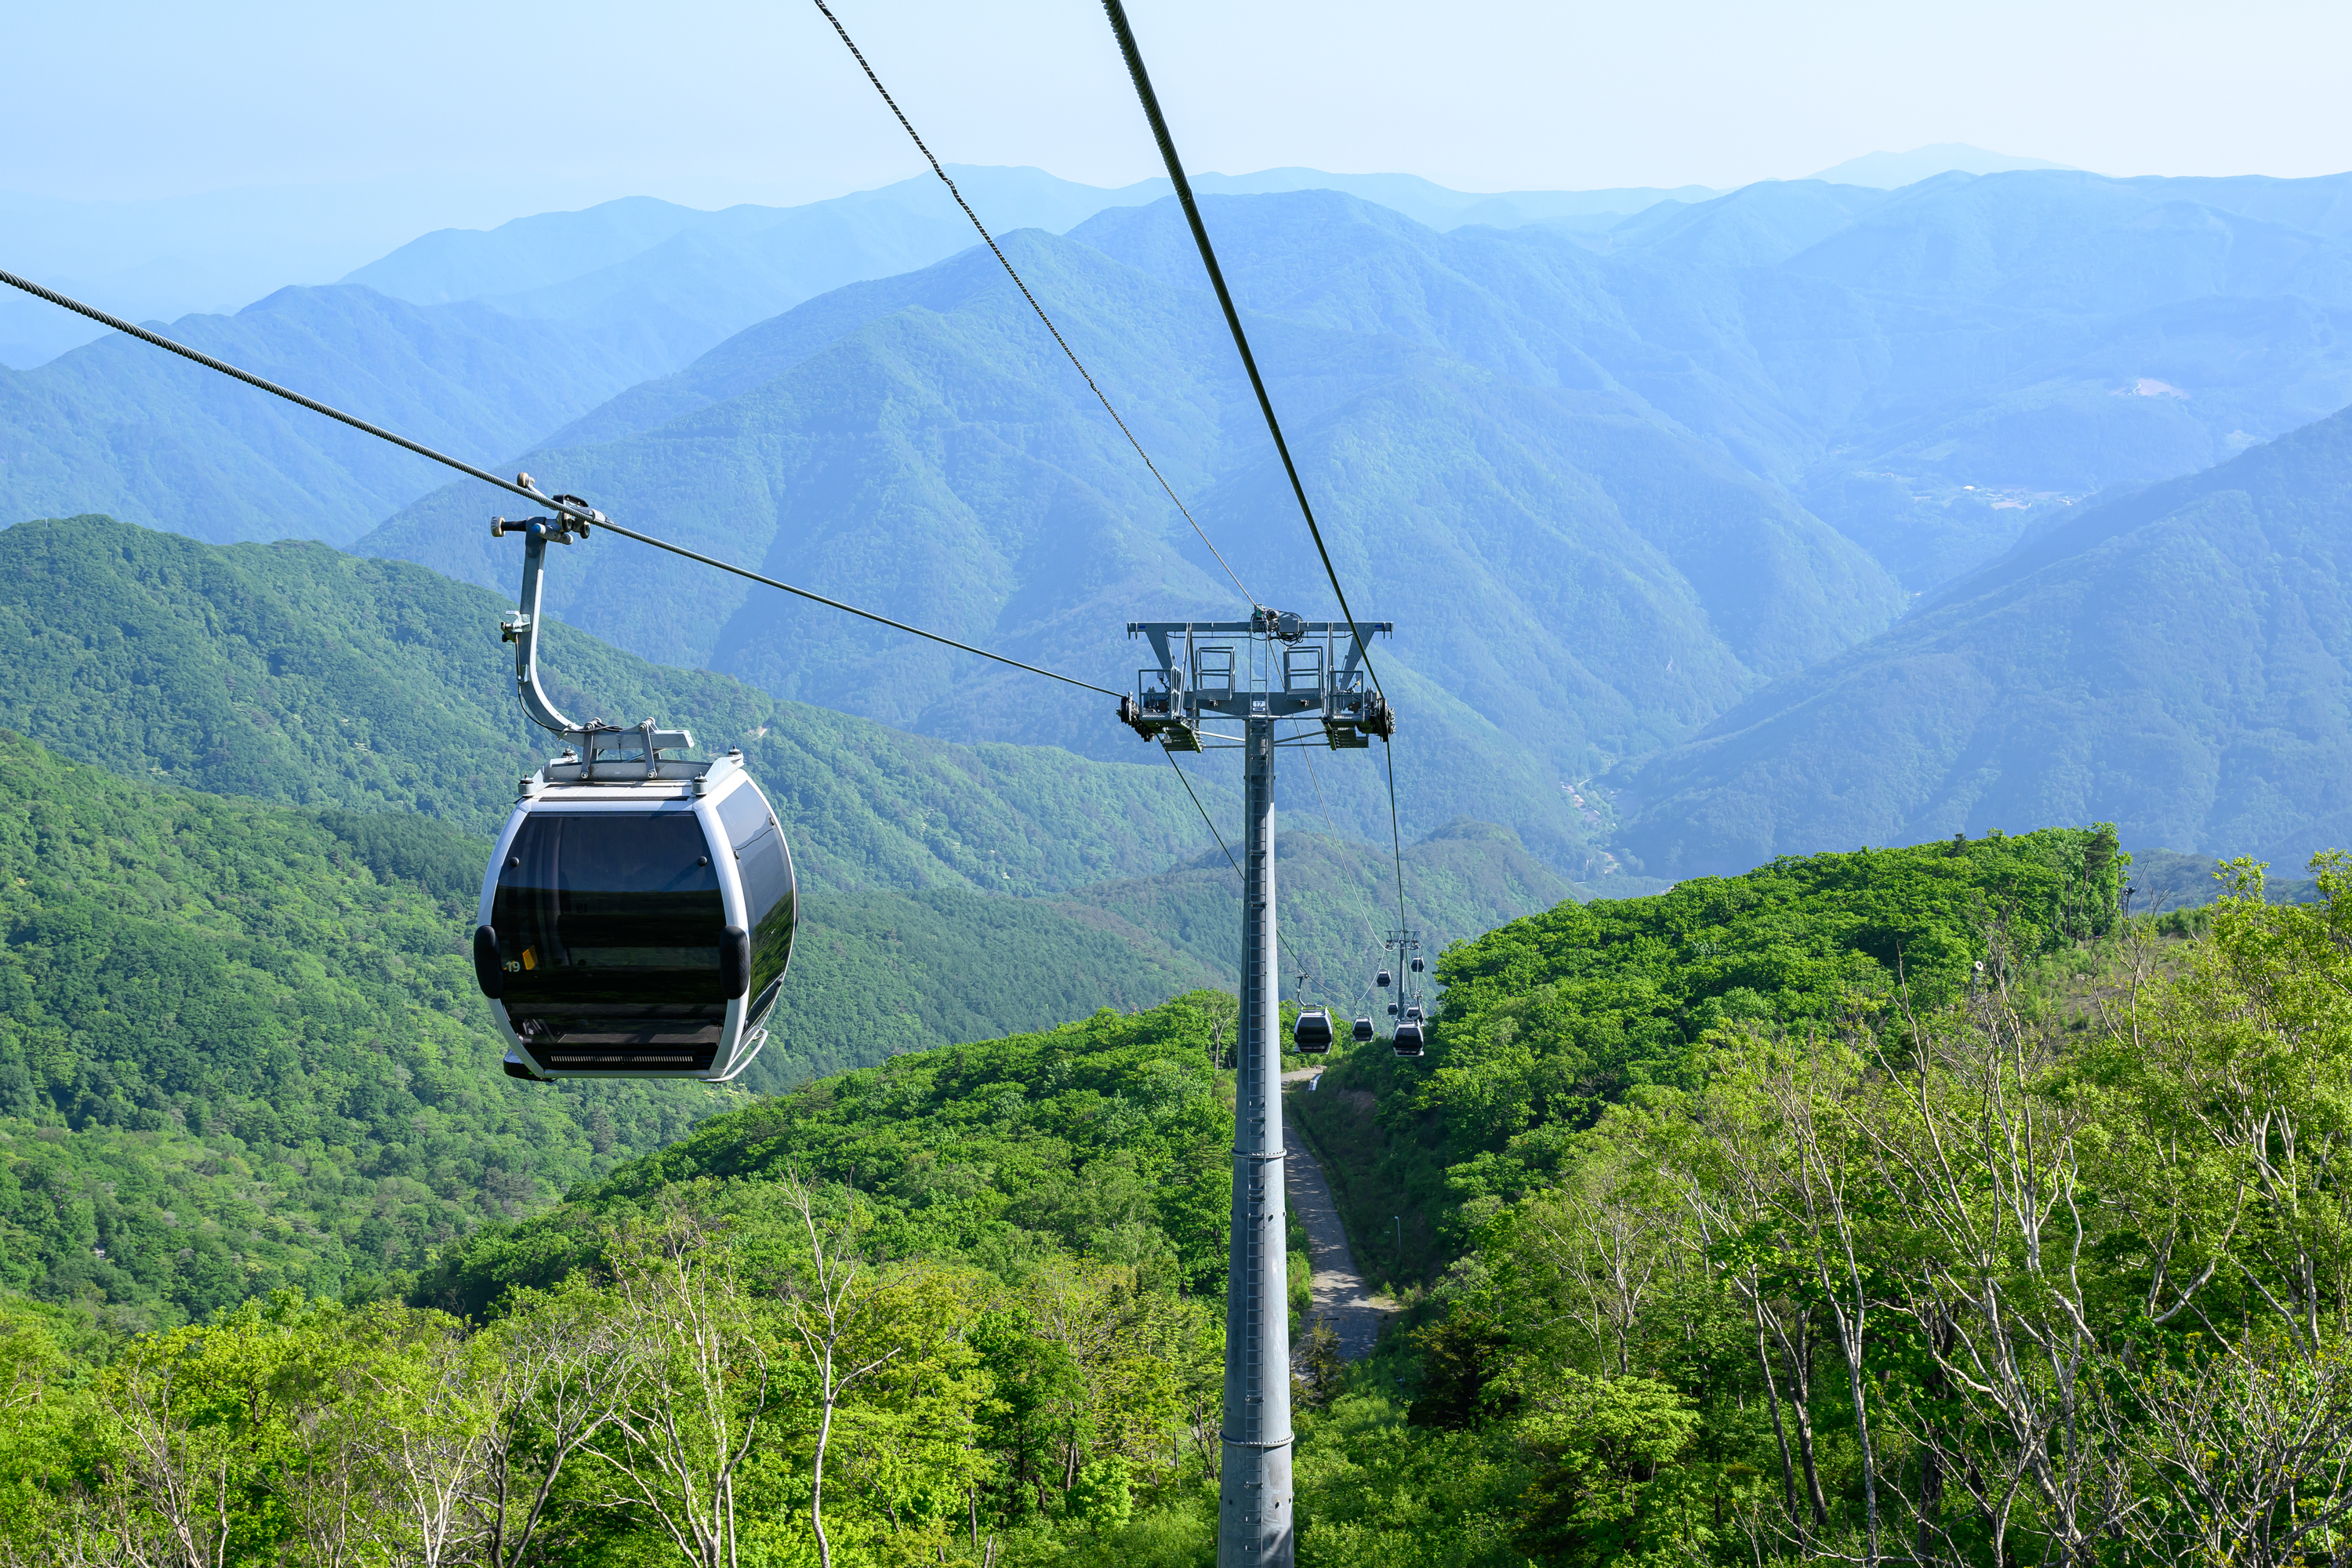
[
  {"x": 2176, "y": 659},
  {"x": 1547, "y": 1020},
  {"x": 122, "y": 427},
  {"x": 1620, "y": 489},
  {"x": 1806, "y": 1150},
  {"x": 1621, "y": 481},
  {"x": 1337, "y": 901},
  {"x": 1110, "y": 1137},
  {"x": 876, "y": 973},
  {"x": 240, "y": 1048},
  {"x": 295, "y": 673},
  {"x": 1933, "y": 371},
  {"x": 264, "y": 1018}
]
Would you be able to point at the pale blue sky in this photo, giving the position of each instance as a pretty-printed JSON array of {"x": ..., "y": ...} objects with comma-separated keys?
[{"x": 522, "y": 107}]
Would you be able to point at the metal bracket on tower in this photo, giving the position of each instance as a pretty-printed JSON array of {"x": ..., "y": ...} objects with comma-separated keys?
[
  {"x": 1210, "y": 670},
  {"x": 596, "y": 752}
]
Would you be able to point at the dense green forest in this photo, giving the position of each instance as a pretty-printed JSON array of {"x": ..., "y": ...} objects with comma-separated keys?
[
  {"x": 1904, "y": 1205},
  {"x": 292, "y": 673},
  {"x": 295, "y": 673},
  {"x": 1549, "y": 1018},
  {"x": 240, "y": 1050},
  {"x": 241, "y": 1047},
  {"x": 253, "y": 1018}
]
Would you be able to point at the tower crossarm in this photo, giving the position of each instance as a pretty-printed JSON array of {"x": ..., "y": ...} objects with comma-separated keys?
[{"x": 1274, "y": 665}]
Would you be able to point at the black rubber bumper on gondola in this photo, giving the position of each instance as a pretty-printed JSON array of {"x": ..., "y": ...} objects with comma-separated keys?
[{"x": 489, "y": 963}]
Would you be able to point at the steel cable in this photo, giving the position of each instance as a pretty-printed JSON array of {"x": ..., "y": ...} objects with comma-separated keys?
[
  {"x": 1309, "y": 752},
  {"x": 1396, "y": 837},
  {"x": 1186, "y": 778},
  {"x": 1160, "y": 133},
  {"x": 511, "y": 486},
  {"x": 859, "y": 56},
  {"x": 1150, "y": 100}
]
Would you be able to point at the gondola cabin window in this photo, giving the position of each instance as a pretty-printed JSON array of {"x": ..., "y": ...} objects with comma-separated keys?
[
  {"x": 611, "y": 924},
  {"x": 765, "y": 867}
]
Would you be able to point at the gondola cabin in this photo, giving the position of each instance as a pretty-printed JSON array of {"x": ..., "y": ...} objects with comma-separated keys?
[
  {"x": 1363, "y": 1030},
  {"x": 637, "y": 928},
  {"x": 1383, "y": 979},
  {"x": 1312, "y": 1032},
  {"x": 1416, "y": 963},
  {"x": 1408, "y": 1040},
  {"x": 1392, "y": 1009}
]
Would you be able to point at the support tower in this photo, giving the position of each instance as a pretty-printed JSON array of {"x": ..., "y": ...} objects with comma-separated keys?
[{"x": 1259, "y": 671}]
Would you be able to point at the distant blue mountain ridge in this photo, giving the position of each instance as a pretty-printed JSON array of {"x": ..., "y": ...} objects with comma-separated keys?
[
  {"x": 1533, "y": 445},
  {"x": 1574, "y": 577},
  {"x": 2176, "y": 658},
  {"x": 1612, "y": 482},
  {"x": 1893, "y": 171},
  {"x": 679, "y": 281},
  {"x": 216, "y": 250}
]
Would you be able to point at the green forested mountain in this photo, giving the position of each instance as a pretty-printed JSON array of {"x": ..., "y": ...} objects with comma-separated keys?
[
  {"x": 1110, "y": 1137},
  {"x": 1623, "y": 483},
  {"x": 119, "y": 427},
  {"x": 1714, "y": 1211},
  {"x": 1539, "y": 546},
  {"x": 2179, "y": 660},
  {"x": 263, "y": 1019},
  {"x": 292, "y": 672},
  {"x": 1932, "y": 371},
  {"x": 1586, "y": 484},
  {"x": 240, "y": 1049},
  {"x": 1673, "y": 1166},
  {"x": 1547, "y": 1019},
  {"x": 1337, "y": 901}
]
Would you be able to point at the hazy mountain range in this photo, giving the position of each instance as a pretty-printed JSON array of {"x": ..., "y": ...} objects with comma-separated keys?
[
  {"x": 2178, "y": 659},
  {"x": 1658, "y": 489},
  {"x": 213, "y": 252},
  {"x": 1891, "y": 170}
]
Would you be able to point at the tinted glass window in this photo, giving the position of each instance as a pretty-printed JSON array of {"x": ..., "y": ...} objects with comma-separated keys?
[
  {"x": 609, "y": 909},
  {"x": 744, "y": 813},
  {"x": 767, "y": 877},
  {"x": 767, "y": 870}
]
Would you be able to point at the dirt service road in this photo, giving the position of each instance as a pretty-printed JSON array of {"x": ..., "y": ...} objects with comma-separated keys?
[{"x": 1340, "y": 1294}]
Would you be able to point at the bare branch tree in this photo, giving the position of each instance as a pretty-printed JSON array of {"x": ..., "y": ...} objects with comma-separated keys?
[
  {"x": 566, "y": 1362},
  {"x": 828, "y": 1309},
  {"x": 432, "y": 1406},
  {"x": 1813, "y": 1095},
  {"x": 2253, "y": 1445},
  {"x": 701, "y": 1381},
  {"x": 168, "y": 1502},
  {"x": 1978, "y": 1154}
]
